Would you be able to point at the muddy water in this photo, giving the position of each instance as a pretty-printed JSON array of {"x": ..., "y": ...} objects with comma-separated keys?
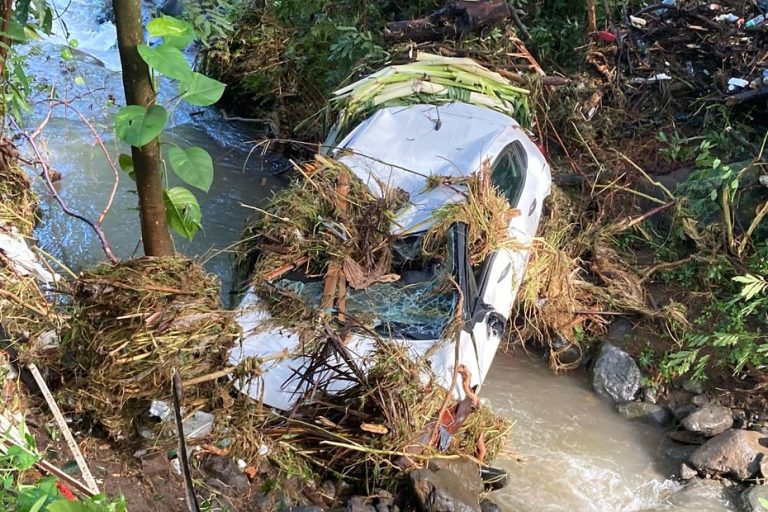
[
  {"x": 570, "y": 452},
  {"x": 578, "y": 455}
]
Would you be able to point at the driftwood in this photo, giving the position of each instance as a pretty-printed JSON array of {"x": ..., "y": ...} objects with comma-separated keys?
[{"x": 457, "y": 17}]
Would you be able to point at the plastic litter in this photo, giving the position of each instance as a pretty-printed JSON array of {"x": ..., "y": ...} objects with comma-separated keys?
[
  {"x": 637, "y": 22},
  {"x": 199, "y": 425},
  {"x": 160, "y": 409},
  {"x": 737, "y": 83},
  {"x": 730, "y": 18},
  {"x": 22, "y": 260},
  {"x": 754, "y": 22}
]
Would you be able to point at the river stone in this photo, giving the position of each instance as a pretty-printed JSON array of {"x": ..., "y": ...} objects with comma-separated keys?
[
  {"x": 467, "y": 471},
  {"x": 699, "y": 494},
  {"x": 488, "y": 506},
  {"x": 709, "y": 420},
  {"x": 674, "y": 452},
  {"x": 645, "y": 411},
  {"x": 734, "y": 452},
  {"x": 683, "y": 410},
  {"x": 687, "y": 472},
  {"x": 750, "y": 498},
  {"x": 685, "y": 437},
  {"x": 615, "y": 374},
  {"x": 359, "y": 504},
  {"x": 442, "y": 491}
]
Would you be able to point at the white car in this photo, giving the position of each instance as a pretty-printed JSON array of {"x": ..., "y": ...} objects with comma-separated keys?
[{"x": 401, "y": 147}]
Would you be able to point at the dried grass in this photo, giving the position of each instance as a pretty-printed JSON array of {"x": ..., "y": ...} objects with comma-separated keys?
[{"x": 132, "y": 324}]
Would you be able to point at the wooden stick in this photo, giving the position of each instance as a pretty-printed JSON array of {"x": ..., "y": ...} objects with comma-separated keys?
[
  {"x": 183, "y": 460},
  {"x": 284, "y": 269},
  {"x": 66, "y": 432}
]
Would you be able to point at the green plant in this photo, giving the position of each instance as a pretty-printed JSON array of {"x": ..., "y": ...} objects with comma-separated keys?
[
  {"x": 210, "y": 18},
  {"x": 646, "y": 357},
  {"x": 17, "y": 494},
  {"x": 137, "y": 126}
]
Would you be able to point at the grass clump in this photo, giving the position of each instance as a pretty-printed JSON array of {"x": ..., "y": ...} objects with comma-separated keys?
[{"x": 134, "y": 323}]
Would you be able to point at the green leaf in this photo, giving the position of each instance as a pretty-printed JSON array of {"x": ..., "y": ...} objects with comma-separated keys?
[
  {"x": 201, "y": 91},
  {"x": 126, "y": 164},
  {"x": 136, "y": 127},
  {"x": 193, "y": 165},
  {"x": 167, "y": 60},
  {"x": 174, "y": 32},
  {"x": 182, "y": 211}
]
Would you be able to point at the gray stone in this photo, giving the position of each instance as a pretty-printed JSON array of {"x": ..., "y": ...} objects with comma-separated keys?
[
  {"x": 734, "y": 453},
  {"x": 739, "y": 418},
  {"x": 685, "y": 437},
  {"x": 650, "y": 395},
  {"x": 700, "y": 400},
  {"x": 687, "y": 472},
  {"x": 307, "y": 508},
  {"x": 385, "y": 500},
  {"x": 683, "y": 410},
  {"x": 442, "y": 491},
  {"x": 225, "y": 470},
  {"x": 488, "y": 506},
  {"x": 615, "y": 374},
  {"x": 709, "y": 420},
  {"x": 467, "y": 472},
  {"x": 327, "y": 490},
  {"x": 693, "y": 386},
  {"x": 699, "y": 494},
  {"x": 750, "y": 498},
  {"x": 650, "y": 413},
  {"x": 676, "y": 453},
  {"x": 619, "y": 330},
  {"x": 359, "y": 504}
]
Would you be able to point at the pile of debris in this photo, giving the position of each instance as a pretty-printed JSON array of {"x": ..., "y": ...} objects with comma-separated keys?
[{"x": 135, "y": 323}]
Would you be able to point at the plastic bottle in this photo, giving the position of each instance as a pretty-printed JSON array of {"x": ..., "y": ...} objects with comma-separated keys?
[{"x": 757, "y": 20}]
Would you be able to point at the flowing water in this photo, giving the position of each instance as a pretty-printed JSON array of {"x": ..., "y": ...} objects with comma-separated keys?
[{"x": 569, "y": 451}]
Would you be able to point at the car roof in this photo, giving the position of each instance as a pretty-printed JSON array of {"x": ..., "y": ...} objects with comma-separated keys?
[{"x": 403, "y": 146}]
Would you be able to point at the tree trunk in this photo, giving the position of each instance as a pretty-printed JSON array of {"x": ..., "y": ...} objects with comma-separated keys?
[{"x": 146, "y": 160}]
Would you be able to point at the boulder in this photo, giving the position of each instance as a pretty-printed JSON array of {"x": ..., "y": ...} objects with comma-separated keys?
[
  {"x": 685, "y": 437},
  {"x": 442, "y": 491},
  {"x": 709, "y": 420},
  {"x": 467, "y": 471},
  {"x": 615, "y": 374},
  {"x": 488, "y": 506},
  {"x": 699, "y": 494},
  {"x": 651, "y": 413},
  {"x": 735, "y": 453},
  {"x": 751, "y": 497},
  {"x": 359, "y": 504},
  {"x": 674, "y": 452}
]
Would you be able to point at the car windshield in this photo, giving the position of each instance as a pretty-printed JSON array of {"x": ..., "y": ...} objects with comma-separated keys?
[{"x": 419, "y": 305}]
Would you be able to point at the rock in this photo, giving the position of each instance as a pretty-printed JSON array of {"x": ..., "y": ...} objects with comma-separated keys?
[
  {"x": 385, "y": 500},
  {"x": 308, "y": 508},
  {"x": 693, "y": 386},
  {"x": 615, "y": 374},
  {"x": 651, "y": 413},
  {"x": 327, "y": 490},
  {"x": 700, "y": 400},
  {"x": 442, "y": 491},
  {"x": 750, "y": 498},
  {"x": 685, "y": 437},
  {"x": 676, "y": 453},
  {"x": 734, "y": 452},
  {"x": 488, "y": 506},
  {"x": 739, "y": 418},
  {"x": 683, "y": 410},
  {"x": 650, "y": 395},
  {"x": 619, "y": 330},
  {"x": 687, "y": 472},
  {"x": 359, "y": 504},
  {"x": 709, "y": 420},
  {"x": 566, "y": 352},
  {"x": 467, "y": 472},
  {"x": 226, "y": 471},
  {"x": 699, "y": 494}
]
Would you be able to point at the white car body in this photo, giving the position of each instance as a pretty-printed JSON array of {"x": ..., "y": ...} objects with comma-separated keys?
[{"x": 402, "y": 146}]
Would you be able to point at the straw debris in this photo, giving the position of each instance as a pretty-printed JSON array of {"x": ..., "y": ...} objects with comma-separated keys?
[{"x": 132, "y": 324}]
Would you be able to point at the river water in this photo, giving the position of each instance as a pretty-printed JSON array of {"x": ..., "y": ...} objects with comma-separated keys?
[{"x": 569, "y": 451}]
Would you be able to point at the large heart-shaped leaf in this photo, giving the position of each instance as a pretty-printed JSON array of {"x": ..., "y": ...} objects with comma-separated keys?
[
  {"x": 182, "y": 211},
  {"x": 166, "y": 59},
  {"x": 202, "y": 91},
  {"x": 137, "y": 127},
  {"x": 174, "y": 31},
  {"x": 193, "y": 165}
]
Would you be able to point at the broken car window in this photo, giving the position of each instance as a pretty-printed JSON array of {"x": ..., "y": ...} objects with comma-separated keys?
[{"x": 508, "y": 173}]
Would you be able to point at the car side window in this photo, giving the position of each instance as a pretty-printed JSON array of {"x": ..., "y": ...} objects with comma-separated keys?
[{"x": 508, "y": 174}]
